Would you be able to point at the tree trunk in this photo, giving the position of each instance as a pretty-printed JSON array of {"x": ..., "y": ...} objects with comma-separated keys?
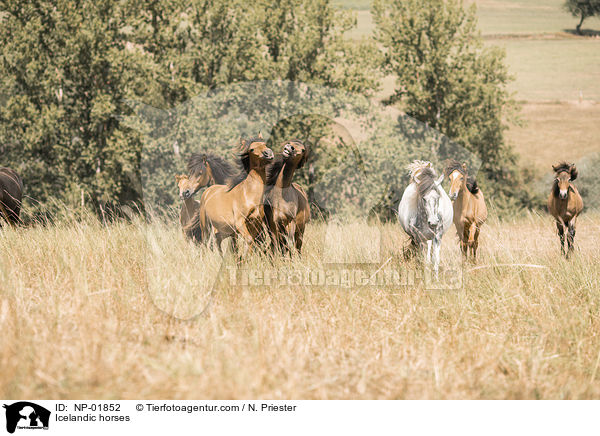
[{"x": 578, "y": 27}]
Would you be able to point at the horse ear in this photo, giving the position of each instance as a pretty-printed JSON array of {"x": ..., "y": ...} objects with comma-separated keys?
[
  {"x": 464, "y": 166},
  {"x": 428, "y": 165},
  {"x": 554, "y": 168},
  {"x": 204, "y": 158},
  {"x": 178, "y": 177},
  {"x": 573, "y": 172},
  {"x": 260, "y": 136}
]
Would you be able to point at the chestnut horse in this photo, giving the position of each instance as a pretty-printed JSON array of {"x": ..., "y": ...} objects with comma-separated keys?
[
  {"x": 565, "y": 203},
  {"x": 189, "y": 207},
  {"x": 237, "y": 209},
  {"x": 470, "y": 211},
  {"x": 11, "y": 193},
  {"x": 287, "y": 210}
]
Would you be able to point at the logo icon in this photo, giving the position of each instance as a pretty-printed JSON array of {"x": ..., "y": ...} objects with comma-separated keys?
[{"x": 26, "y": 415}]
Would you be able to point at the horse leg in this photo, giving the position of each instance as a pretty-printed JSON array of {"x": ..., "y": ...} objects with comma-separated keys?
[
  {"x": 464, "y": 241},
  {"x": 476, "y": 242},
  {"x": 570, "y": 237},
  {"x": 428, "y": 258},
  {"x": 298, "y": 236},
  {"x": 437, "y": 244},
  {"x": 561, "y": 236}
]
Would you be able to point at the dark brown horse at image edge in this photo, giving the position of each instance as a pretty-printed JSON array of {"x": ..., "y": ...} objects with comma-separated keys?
[
  {"x": 11, "y": 193},
  {"x": 565, "y": 204}
]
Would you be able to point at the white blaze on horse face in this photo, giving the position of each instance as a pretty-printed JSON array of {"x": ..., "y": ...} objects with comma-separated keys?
[
  {"x": 456, "y": 179},
  {"x": 432, "y": 201}
]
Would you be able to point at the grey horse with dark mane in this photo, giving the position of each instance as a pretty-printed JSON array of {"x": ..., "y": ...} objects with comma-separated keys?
[{"x": 11, "y": 193}]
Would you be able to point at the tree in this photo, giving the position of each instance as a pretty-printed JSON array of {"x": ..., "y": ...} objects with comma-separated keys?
[
  {"x": 582, "y": 9},
  {"x": 448, "y": 80}
]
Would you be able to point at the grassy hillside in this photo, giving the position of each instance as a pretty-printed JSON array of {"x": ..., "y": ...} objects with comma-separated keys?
[{"x": 79, "y": 312}]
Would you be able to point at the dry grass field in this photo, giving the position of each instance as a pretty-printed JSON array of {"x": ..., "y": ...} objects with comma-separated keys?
[{"x": 79, "y": 312}]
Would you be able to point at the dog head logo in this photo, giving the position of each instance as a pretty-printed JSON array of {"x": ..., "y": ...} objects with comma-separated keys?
[{"x": 26, "y": 415}]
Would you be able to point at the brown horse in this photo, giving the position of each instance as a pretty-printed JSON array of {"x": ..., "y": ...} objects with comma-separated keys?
[
  {"x": 565, "y": 203},
  {"x": 470, "y": 211},
  {"x": 11, "y": 193},
  {"x": 237, "y": 209},
  {"x": 287, "y": 210},
  {"x": 187, "y": 187}
]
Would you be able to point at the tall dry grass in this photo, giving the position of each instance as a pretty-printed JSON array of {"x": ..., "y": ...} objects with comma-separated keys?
[{"x": 85, "y": 313}]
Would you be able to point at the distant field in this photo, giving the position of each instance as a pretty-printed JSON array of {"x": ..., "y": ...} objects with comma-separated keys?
[
  {"x": 499, "y": 17},
  {"x": 557, "y": 131},
  {"x": 555, "y": 69}
]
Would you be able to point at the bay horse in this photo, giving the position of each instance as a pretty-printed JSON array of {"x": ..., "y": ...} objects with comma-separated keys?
[
  {"x": 189, "y": 207},
  {"x": 565, "y": 203},
  {"x": 470, "y": 210},
  {"x": 237, "y": 208},
  {"x": 11, "y": 194},
  {"x": 287, "y": 210},
  {"x": 425, "y": 211}
]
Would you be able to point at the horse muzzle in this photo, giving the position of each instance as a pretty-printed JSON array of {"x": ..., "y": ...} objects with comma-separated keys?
[
  {"x": 267, "y": 154},
  {"x": 563, "y": 195},
  {"x": 453, "y": 196}
]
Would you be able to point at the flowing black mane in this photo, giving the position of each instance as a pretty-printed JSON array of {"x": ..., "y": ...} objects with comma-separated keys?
[
  {"x": 243, "y": 162},
  {"x": 454, "y": 165},
  {"x": 567, "y": 167},
  {"x": 221, "y": 170}
]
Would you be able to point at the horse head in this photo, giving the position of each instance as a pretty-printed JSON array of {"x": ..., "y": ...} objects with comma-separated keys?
[
  {"x": 565, "y": 174},
  {"x": 188, "y": 186}
]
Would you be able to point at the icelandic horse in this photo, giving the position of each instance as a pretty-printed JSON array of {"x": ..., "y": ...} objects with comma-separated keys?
[
  {"x": 565, "y": 204},
  {"x": 470, "y": 210},
  {"x": 287, "y": 210},
  {"x": 237, "y": 208}
]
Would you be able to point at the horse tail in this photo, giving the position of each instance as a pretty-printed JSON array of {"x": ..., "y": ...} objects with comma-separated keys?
[{"x": 193, "y": 229}]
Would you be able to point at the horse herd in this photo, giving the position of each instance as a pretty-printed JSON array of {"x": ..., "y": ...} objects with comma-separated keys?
[
  {"x": 261, "y": 199},
  {"x": 260, "y": 202}
]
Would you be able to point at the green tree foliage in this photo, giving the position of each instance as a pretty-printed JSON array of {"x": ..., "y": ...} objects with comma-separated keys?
[
  {"x": 448, "y": 80},
  {"x": 582, "y": 9},
  {"x": 69, "y": 70}
]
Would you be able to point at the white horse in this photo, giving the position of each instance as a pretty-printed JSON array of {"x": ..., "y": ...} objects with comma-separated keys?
[{"x": 425, "y": 210}]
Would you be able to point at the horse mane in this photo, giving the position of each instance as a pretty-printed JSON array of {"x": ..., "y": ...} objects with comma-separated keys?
[
  {"x": 454, "y": 165},
  {"x": 243, "y": 162},
  {"x": 565, "y": 166},
  {"x": 417, "y": 165},
  {"x": 221, "y": 170},
  {"x": 427, "y": 178}
]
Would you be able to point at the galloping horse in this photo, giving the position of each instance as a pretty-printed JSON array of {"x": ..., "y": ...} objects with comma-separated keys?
[
  {"x": 470, "y": 211},
  {"x": 425, "y": 211},
  {"x": 237, "y": 208},
  {"x": 187, "y": 188},
  {"x": 287, "y": 210},
  {"x": 11, "y": 193},
  {"x": 565, "y": 203}
]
